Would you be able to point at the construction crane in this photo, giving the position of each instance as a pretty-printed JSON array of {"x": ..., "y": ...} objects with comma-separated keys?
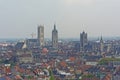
[{"x": 33, "y": 35}]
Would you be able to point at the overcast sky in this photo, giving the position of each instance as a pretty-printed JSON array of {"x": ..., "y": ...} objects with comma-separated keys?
[{"x": 20, "y": 18}]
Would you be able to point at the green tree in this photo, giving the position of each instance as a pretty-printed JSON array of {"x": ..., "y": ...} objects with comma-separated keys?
[{"x": 51, "y": 75}]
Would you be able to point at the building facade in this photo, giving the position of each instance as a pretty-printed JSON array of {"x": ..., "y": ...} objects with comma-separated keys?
[
  {"x": 54, "y": 37},
  {"x": 83, "y": 41},
  {"x": 32, "y": 43},
  {"x": 101, "y": 45},
  {"x": 41, "y": 35}
]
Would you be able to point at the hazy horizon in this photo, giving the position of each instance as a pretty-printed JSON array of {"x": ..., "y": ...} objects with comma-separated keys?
[{"x": 18, "y": 19}]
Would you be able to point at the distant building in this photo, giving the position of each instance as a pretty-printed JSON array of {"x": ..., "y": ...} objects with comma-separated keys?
[
  {"x": 32, "y": 43},
  {"x": 101, "y": 45},
  {"x": 83, "y": 41},
  {"x": 25, "y": 56},
  {"x": 41, "y": 35},
  {"x": 54, "y": 37},
  {"x": 20, "y": 46}
]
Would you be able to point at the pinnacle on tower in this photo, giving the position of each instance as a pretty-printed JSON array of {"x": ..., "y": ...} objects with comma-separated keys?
[
  {"x": 101, "y": 39},
  {"x": 54, "y": 27}
]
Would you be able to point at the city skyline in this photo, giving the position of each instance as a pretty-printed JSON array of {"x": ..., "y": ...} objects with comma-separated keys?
[{"x": 20, "y": 18}]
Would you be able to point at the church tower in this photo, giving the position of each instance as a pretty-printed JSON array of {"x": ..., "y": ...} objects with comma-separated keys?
[
  {"x": 54, "y": 37},
  {"x": 101, "y": 45}
]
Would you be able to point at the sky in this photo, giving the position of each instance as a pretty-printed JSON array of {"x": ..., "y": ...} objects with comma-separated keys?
[{"x": 20, "y": 18}]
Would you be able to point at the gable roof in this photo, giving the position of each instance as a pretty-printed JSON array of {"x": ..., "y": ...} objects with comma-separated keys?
[{"x": 19, "y": 45}]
